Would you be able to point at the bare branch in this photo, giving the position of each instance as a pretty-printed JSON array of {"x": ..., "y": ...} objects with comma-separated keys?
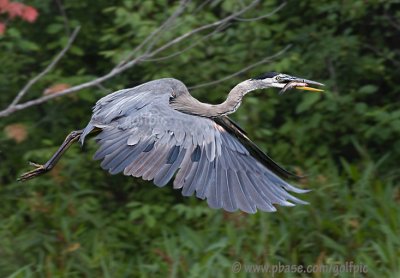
[
  {"x": 163, "y": 26},
  {"x": 212, "y": 33},
  {"x": 17, "y": 107},
  {"x": 46, "y": 70},
  {"x": 267, "y": 59},
  {"x": 149, "y": 54},
  {"x": 201, "y": 6},
  {"x": 280, "y": 7},
  {"x": 168, "y": 23},
  {"x": 202, "y": 28},
  {"x": 64, "y": 16},
  {"x": 218, "y": 29}
]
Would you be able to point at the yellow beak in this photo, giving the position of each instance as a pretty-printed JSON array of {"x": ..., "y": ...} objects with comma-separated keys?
[{"x": 309, "y": 89}]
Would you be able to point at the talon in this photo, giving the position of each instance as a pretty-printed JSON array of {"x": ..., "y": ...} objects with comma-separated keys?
[
  {"x": 40, "y": 169},
  {"x": 35, "y": 164}
]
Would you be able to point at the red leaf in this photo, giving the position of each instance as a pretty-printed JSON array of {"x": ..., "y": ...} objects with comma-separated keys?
[
  {"x": 15, "y": 9},
  {"x": 3, "y": 5},
  {"x": 2, "y": 28},
  {"x": 29, "y": 14},
  {"x": 56, "y": 88},
  {"x": 17, "y": 132}
]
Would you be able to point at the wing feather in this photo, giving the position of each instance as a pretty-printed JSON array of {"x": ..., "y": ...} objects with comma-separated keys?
[
  {"x": 153, "y": 164},
  {"x": 169, "y": 169},
  {"x": 143, "y": 136}
]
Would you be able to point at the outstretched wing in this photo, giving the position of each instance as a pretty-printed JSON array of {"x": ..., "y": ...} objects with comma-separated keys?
[{"x": 142, "y": 136}]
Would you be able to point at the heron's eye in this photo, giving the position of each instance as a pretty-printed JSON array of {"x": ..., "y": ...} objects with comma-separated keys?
[
  {"x": 172, "y": 96},
  {"x": 278, "y": 78}
]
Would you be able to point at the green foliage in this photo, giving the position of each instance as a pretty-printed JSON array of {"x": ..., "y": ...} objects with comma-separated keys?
[{"x": 80, "y": 221}]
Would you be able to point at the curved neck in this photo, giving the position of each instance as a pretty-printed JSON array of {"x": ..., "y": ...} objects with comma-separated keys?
[
  {"x": 235, "y": 96},
  {"x": 191, "y": 105}
]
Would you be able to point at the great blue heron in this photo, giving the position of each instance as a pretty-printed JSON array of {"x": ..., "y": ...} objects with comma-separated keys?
[{"x": 158, "y": 128}]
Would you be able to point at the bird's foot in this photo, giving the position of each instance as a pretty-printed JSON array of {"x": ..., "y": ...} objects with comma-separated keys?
[{"x": 40, "y": 169}]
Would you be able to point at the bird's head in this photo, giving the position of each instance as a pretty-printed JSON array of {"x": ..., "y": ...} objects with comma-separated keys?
[{"x": 286, "y": 82}]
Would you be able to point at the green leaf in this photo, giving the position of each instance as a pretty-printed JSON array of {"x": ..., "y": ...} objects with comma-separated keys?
[
  {"x": 309, "y": 100},
  {"x": 54, "y": 28},
  {"x": 368, "y": 89}
]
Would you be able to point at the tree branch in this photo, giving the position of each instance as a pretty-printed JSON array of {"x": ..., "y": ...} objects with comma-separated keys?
[
  {"x": 46, "y": 70},
  {"x": 202, "y": 28},
  {"x": 64, "y": 16},
  {"x": 123, "y": 66},
  {"x": 218, "y": 29},
  {"x": 163, "y": 26},
  {"x": 280, "y": 7}
]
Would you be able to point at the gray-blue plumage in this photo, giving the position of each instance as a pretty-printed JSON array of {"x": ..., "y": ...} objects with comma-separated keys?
[{"x": 157, "y": 129}]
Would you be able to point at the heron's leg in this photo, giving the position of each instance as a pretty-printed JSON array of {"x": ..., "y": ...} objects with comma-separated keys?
[{"x": 41, "y": 169}]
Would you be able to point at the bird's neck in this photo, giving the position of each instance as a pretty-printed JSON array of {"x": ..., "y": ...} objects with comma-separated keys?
[
  {"x": 235, "y": 96},
  {"x": 230, "y": 105}
]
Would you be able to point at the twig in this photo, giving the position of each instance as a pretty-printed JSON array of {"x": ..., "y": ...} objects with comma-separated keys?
[
  {"x": 267, "y": 59},
  {"x": 201, "y": 6},
  {"x": 64, "y": 16},
  {"x": 46, "y": 70},
  {"x": 167, "y": 22},
  {"x": 218, "y": 29},
  {"x": 212, "y": 33},
  {"x": 204, "y": 27},
  {"x": 280, "y": 7}
]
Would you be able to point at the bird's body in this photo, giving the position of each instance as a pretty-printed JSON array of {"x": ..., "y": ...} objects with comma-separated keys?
[
  {"x": 143, "y": 135},
  {"x": 158, "y": 130}
]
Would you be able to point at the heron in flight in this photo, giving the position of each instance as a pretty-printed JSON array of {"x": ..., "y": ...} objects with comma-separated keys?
[{"x": 157, "y": 130}]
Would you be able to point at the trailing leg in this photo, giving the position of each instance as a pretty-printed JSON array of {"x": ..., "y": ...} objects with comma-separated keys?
[{"x": 41, "y": 169}]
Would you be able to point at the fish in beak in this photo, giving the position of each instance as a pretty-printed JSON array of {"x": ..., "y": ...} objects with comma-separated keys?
[{"x": 299, "y": 84}]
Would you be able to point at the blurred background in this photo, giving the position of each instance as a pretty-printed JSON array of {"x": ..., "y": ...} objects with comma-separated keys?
[{"x": 80, "y": 221}]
